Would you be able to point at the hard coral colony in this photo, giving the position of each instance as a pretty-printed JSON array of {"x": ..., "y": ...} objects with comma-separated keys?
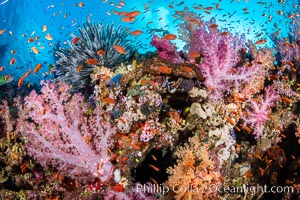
[{"x": 168, "y": 125}]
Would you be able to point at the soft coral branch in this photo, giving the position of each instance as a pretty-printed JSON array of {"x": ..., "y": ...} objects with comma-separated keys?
[
  {"x": 258, "y": 113},
  {"x": 221, "y": 59},
  {"x": 60, "y": 132}
]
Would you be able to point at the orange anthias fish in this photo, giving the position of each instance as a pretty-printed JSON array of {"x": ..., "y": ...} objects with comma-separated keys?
[
  {"x": 92, "y": 61},
  {"x": 27, "y": 73},
  {"x": 21, "y": 80},
  {"x": 194, "y": 55},
  {"x": 187, "y": 69},
  {"x": 154, "y": 167},
  {"x": 37, "y": 68},
  {"x": 48, "y": 36},
  {"x": 79, "y": 68},
  {"x": 100, "y": 52},
  {"x": 137, "y": 32},
  {"x": 169, "y": 37},
  {"x": 35, "y": 50},
  {"x": 213, "y": 26},
  {"x": 109, "y": 100},
  {"x": 224, "y": 33},
  {"x": 13, "y": 60},
  {"x": 133, "y": 14},
  {"x": 262, "y": 41},
  {"x": 119, "y": 49},
  {"x": 164, "y": 69},
  {"x": 128, "y": 19}
]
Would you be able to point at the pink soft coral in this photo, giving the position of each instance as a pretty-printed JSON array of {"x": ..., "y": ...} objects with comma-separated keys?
[
  {"x": 221, "y": 55},
  {"x": 60, "y": 131},
  {"x": 166, "y": 50},
  {"x": 257, "y": 115}
]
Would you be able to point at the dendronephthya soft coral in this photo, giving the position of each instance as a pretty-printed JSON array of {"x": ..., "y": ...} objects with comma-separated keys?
[{"x": 61, "y": 130}]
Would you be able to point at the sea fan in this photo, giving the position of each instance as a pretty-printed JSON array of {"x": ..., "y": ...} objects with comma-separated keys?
[{"x": 93, "y": 37}]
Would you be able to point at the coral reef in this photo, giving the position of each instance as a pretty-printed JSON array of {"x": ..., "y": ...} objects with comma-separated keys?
[{"x": 209, "y": 122}]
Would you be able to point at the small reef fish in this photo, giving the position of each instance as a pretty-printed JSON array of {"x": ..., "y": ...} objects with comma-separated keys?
[
  {"x": 35, "y": 50},
  {"x": 119, "y": 49},
  {"x": 109, "y": 100},
  {"x": 262, "y": 41},
  {"x": 91, "y": 61},
  {"x": 128, "y": 19},
  {"x": 48, "y": 37},
  {"x": 37, "y": 68},
  {"x": 31, "y": 40},
  {"x": 137, "y": 32},
  {"x": 114, "y": 81},
  {"x": 194, "y": 55},
  {"x": 6, "y": 79},
  {"x": 133, "y": 14},
  {"x": 12, "y": 61},
  {"x": 21, "y": 80},
  {"x": 100, "y": 52},
  {"x": 213, "y": 26},
  {"x": 169, "y": 37},
  {"x": 164, "y": 69},
  {"x": 75, "y": 40},
  {"x": 79, "y": 68},
  {"x": 154, "y": 167},
  {"x": 45, "y": 28}
]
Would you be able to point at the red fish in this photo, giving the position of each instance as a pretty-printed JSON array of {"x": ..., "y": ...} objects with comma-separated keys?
[
  {"x": 31, "y": 40},
  {"x": 75, "y": 40}
]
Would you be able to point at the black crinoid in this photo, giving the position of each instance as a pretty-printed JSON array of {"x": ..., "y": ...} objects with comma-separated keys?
[{"x": 93, "y": 37}]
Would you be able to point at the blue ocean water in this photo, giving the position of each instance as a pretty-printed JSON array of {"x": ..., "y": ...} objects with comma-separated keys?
[{"x": 22, "y": 20}]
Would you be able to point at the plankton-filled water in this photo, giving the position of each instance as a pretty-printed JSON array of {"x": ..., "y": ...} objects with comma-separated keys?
[{"x": 151, "y": 99}]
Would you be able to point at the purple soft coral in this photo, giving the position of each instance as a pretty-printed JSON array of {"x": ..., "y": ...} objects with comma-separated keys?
[
  {"x": 257, "y": 115},
  {"x": 60, "y": 132},
  {"x": 166, "y": 50}
]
